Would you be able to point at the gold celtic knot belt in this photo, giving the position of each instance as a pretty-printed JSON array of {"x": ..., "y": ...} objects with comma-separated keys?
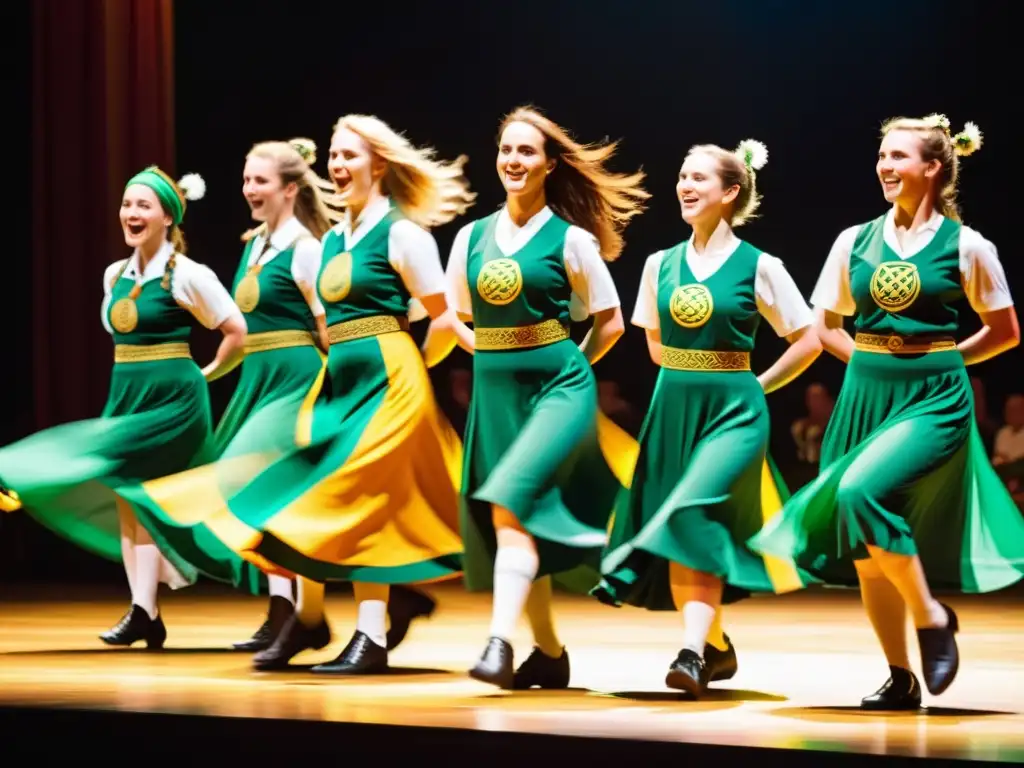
[
  {"x": 703, "y": 360},
  {"x": 520, "y": 337}
]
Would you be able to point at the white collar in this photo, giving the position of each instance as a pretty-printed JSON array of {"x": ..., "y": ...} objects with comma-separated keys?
[
  {"x": 535, "y": 222},
  {"x": 368, "y": 219},
  {"x": 286, "y": 234},
  {"x": 722, "y": 242},
  {"x": 916, "y": 239},
  {"x": 155, "y": 266}
]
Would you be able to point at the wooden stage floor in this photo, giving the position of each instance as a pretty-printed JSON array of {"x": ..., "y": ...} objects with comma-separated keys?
[{"x": 805, "y": 661}]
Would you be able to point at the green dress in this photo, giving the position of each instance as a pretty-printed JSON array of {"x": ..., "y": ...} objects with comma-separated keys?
[
  {"x": 282, "y": 367},
  {"x": 702, "y": 484},
  {"x": 156, "y": 421},
  {"x": 531, "y": 439},
  {"x": 903, "y": 467},
  {"x": 360, "y": 485}
]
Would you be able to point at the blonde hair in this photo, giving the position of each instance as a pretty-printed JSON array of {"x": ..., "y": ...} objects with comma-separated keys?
[
  {"x": 293, "y": 161},
  {"x": 739, "y": 167},
  {"x": 429, "y": 192},
  {"x": 937, "y": 144},
  {"x": 580, "y": 189}
]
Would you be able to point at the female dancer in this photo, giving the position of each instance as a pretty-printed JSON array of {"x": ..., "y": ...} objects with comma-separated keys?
[
  {"x": 275, "y": 287},
  {"x": 696, "y": 495},
  {"x": 157, "y": 417},
  {"x": 538, "y": 489},
  {"x": 905, "y": 487},
  {"x": 365, "y": 488}
]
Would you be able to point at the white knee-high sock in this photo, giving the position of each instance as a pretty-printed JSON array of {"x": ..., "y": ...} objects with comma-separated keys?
[
  {"x": 281, "y": 587},
  {"x": 310, "y": 607},
  {"x": 697, "y": 620},
  {"x": 148, "y": 562},
  {"x": 373, "y": 610},
  {"x": 514, "y": 571}
]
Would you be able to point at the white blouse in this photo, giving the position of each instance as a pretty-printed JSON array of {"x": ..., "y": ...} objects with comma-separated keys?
[
  {"x": 194, "y": 286},
  {"x": 305, "y": 260},
  {"x": 412, "y": 252},
  {"x": 593, "y": 289},
  {"x": 778, "y": 298},
  {"x": 981, "y": 273}
]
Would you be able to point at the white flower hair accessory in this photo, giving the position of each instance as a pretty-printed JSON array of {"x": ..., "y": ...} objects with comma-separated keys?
[
  {"x": 968, "y": 141},
  {"x": 306, "y": 149},
  {"x": 192, "y": 186},
  {"x": 753, "y": 153},
  {"x": 937, "y": 121}
]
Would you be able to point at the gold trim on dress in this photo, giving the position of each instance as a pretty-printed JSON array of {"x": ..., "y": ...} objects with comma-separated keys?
[
  {"x": 264, "y": 342},
  {"x": 894, "y": 343},
  {"x": 703, "y": 360},
  {"x": 520, "y": 337},
  {"x": 147, "y": 353},
  {"x": 364, "y": 327}
]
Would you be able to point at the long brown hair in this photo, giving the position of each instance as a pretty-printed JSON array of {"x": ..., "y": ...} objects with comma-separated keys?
[{"x": 580, "y": 189}]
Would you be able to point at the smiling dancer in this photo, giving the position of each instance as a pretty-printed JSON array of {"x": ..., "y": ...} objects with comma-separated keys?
[
  {"x": 360, "y": 487},
  {"x": 696, "y": 495},
  {"x": 905, "y": 487},
  {"x": 157, "y": 417},
  {"x": 538, "y": 489}
]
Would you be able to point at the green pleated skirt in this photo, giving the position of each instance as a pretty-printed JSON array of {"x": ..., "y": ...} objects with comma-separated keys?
[
  {"x": 532, "y": 446},
  {"x": 903, "y": 468},
  {"x": 703, "y": 485},
  {"x": 156, "y": 422},
  {"x": 359, "y": 485},
  {"x": 282, "y": 378}
]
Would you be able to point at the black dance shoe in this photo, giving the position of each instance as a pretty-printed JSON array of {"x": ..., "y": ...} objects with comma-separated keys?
[
  {"x": 405, "y": 605},
  {"x": 134, "y": 626},
  {"x": 722, "y": 665},
  {"x": 280, "y": 611},
  {"x": 361, "y": 656},
  {"x": 495, "y": 665},
  {"x": 295, "y": 638},
  {"x": 900, "y": 693},
  {"x": 688, "y": 673},
  {"x": 940, "y": 658},
  {"x": 543, "y": 671}
]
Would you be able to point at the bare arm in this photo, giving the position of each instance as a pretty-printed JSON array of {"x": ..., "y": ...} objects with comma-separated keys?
[
  {"x": 607, "y": 329},
  {"x": 1000, "y": 332},
  {"x": 231, "y": 350},
  {"x": 804, "y": 348},
  {"x": 445, "y": 331},
  {"x": 833, "y": 336}
]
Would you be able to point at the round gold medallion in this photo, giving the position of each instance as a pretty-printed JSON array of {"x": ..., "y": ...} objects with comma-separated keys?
[
  {"x": 500, "y": 281},
  {"x": 247, "y": 294},
  {"x": 691, "y": 305},
  {"x": 124, "y": 315},
  {"x": 895, "y": 285},
  {"x": 336, "y": 279}
]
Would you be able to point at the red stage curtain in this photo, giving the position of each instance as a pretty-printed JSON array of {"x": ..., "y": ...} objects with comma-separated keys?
[{"x": 103, "y": 108}]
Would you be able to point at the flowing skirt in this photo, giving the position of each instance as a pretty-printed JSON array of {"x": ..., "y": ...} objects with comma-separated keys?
[
  {"x": 360, "y": 486},
  {"x": 283, "y": 378},
  {"x": 903, "y": 468},
  {"x": 537, "y": 446},
  {"x": 703, "y": 486},
  {"x": 156, "y": 422}
]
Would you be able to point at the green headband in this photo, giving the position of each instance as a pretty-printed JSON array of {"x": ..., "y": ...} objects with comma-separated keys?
[{"x": 166, "y": 191}]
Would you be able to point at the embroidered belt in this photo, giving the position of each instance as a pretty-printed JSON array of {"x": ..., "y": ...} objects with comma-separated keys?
[
  {"x": 146, "y": 353},
  {"x": 351, "y": 330},
  {"x": 894, "y": 343},
  {"x": 264, "y": 342},
  {"x": 520, "y": 337},
  {"x": 704, "y": 360}
]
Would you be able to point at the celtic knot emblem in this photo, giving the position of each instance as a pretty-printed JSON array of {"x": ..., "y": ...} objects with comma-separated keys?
[
  {"x": 691, "y": 305},
  {"x": 336, "y": 279},
  {"x": 895, "y": 285},
  {"x": 500, "y": 281}
]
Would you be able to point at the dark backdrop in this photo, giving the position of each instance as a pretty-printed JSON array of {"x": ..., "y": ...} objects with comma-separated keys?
[{"x": 812, "y": 80}]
